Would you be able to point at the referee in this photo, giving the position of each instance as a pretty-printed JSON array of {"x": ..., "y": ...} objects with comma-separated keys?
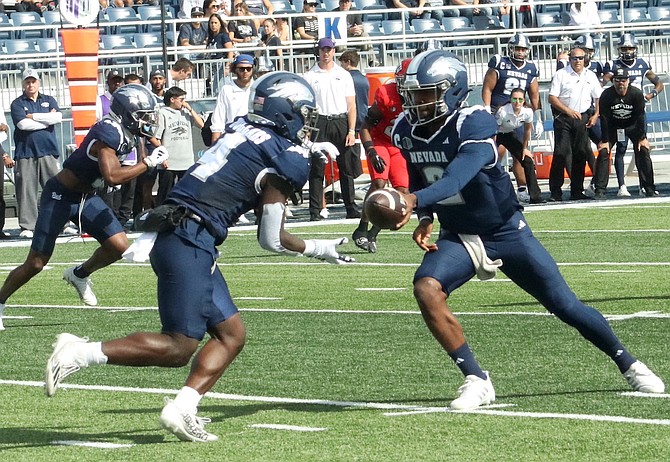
[{"x": 573, "y": 90}]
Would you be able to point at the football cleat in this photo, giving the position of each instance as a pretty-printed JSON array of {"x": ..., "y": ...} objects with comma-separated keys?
[
  {"x": 2, "y": 309},
  {"x": 372, "y": 246},
  {"x": 63, "y": 361},
  {"x": 185, "y": 426},
  {"x": 361, "y": 242},
  {"x": 473, "y": 393},
  {"x": 623, "y": 191},
  {"x": 82, "y": 285},
  {"x": 523, "y": 196},
  {"x": 640, "y": 378}
]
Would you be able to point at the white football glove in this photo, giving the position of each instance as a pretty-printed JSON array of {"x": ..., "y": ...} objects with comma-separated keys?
[
  {"x": 325, "y": 147},
  {"x": 326, "y": 250},
  {"x": 539, "y": 129},
  {"x": 157, "y": 157}
]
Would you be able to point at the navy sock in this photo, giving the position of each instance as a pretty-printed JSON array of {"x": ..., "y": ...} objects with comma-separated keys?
[
  {"x": 80, "y": 273},
  {"x": 466, "y": 362},
  {"x": 623, "y": 359}
]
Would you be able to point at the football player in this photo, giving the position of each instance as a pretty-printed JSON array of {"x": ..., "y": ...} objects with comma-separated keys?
[
  {"x": 70, "y": 194},
  {"x": 506, "y": 73},
  {"x": 454, "y": 174},
  {"x": 257, "y": 163},
  {"x": 638, "y": 69},
  {"x": 385, "y": 162}
]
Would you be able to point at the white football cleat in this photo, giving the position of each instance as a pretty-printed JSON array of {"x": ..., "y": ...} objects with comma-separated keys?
[
  {"x": 26, "y": 234},
  {"x": 185, "y": 426},
  {"x": 640, "y": 378},
  {"x": 523, "y": 196},
  {"x": 63, "y": 361},
  {"x": 623, "y": 191},
  {"x": 82, "y": 285},
  {"x": 473, "y": 393}
]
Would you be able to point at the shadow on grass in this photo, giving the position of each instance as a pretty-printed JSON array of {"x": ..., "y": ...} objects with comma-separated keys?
[{"x": 37, "y": 437}]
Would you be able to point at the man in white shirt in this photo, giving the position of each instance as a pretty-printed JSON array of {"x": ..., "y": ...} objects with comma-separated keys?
[
  {"x": 572, "y": 92},
  {"x": 336, "y": 101},
  {"x": 233, "y": 99}
]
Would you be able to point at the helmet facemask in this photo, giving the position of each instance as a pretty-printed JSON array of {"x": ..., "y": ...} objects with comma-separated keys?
[
  {"x": 146, "y": 123},
  {"x": 425, "y": 104},
  {"x": 627, "y": 54},
  {"x": 308, "y": 131}
]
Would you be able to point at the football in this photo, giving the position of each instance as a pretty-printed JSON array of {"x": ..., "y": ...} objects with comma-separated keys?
[{"x": 385, "y": 208}]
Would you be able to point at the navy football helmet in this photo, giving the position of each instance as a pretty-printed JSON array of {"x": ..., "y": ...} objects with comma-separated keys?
[
  {"x": 627, "y": 41},
  {"x": 586, "y": 43},
  {"x": 518, "y": 47},
  {"x": 135, "y": 107},
  {"x": 435, "y": 85},
  {"x": 285, "y": 102}
]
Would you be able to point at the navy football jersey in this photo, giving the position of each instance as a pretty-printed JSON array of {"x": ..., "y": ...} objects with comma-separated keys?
[
  {"x": 225, "y": 182},
  {"x": 111, "y": 133},
  {"x": 510, "y": 76},
  {"x": 456, "y": 174},
  {"x": 636, "y": 71}
]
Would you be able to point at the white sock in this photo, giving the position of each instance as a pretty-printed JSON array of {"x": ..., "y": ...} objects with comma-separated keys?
[
  {"x": 2, "y": 309},
  {"x": 94, "y": 354},
  {"x": 187, "y": 400}
]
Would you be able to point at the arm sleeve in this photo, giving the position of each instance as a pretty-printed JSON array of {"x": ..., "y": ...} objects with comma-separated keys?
[
  {"x": 31, "y": 125},
  {"x": 49, "y": 118}
]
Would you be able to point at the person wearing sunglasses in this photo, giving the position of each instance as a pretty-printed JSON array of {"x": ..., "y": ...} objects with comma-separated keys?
[
  {"x": 306, "y": 27},
  {"x": 242, "y": 30},
  {"x": 573, "y": 96},
  {"x": 510, "y": 118}
]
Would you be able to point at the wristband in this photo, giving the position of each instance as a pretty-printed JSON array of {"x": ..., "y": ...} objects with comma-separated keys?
[
  {"x": 352, "y": 131},
  {"x": 368, "y": 145},
  {"x": 654, "y": 93}
]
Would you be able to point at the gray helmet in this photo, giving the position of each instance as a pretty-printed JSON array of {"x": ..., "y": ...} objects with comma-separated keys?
[
  {"x": 135, "y": 107},
  {"x": 586, "y": 43},
  {"x": 627, "y": 40},
  {"x": 517, "y": 41}
]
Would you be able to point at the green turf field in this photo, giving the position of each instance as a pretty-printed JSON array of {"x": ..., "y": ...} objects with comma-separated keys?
[{"x": 339, "y": 365}]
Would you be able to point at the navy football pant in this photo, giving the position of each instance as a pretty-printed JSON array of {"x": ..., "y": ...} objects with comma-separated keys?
[{"x": 528, "y": 264}]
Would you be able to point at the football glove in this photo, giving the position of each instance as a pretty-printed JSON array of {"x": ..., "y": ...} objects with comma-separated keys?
[
  {"x": 326, "y": 250},
  {"x": 378, "y": 163},
  {"x": 324, "y": 147},
  {"x": 157, "y": 157},
  {"x": 539, "y": 128}
]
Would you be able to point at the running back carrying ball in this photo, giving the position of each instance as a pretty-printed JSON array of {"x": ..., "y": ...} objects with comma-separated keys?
[{"x": 385, "y": 208}]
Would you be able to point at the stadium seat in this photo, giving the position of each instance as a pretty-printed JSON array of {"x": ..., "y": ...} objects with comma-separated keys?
[
  {"x": 282, "y": 5},
  {"x": 19, "y": 47},
  {"x": 360, "y": 4},
  {"x": 420, "y": 25},
  {"x": 639, "y": 3},
  {"x": 330, "y": 5},
  {"x": 631, "y": 15},
  {"x": 608, "y": 16},
  {"x": 118, "y": 42},
  {"x": 609, "y": 5},
  {"x": 373, "y": 28},
  {"x": 660, "y": 14},
  {"x": 373, "y": 16},
  {"x": 48, "y": 45},
  {"x": 117, "y": 16},
  {"x": 23, "y": 19},
  {"x": 450, "y": 23},
  {"x": 555, "y": 8},
  {"x": 153, "y": 13},
  {"x": 552, "y": 25},
  {"x": 297, "y": 5},
  {"x": 462, "y": 42}
]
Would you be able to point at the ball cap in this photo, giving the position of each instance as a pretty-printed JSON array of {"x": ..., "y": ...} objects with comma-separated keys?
[
  {"x": 244, "y": 59},
  {"x": 30, "y": 73},
  {"x": 326, "y": 42},
  {"x": 621, "y": 74},
  {"x": 196, "y": 10},
  {"x": 156, "y": 72},
  {"x": 113, "y": 74}
]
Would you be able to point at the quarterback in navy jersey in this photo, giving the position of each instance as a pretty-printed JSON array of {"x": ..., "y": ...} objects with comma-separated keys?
[
  {"x": 69, "y": 196},
  {"x": 258, "y": 163},
  {"x": 454, "y": 174}
]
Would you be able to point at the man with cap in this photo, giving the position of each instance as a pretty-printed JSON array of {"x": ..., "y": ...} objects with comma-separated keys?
[
  {"x": 157, "y": 84},
  {"x": 193, "y": 34},
  {"x": 36, "y": 148},
  {"x": 622, "y": 116},
  {"x": 233, "y": 98},
  {"x": 336, "y": 101}
]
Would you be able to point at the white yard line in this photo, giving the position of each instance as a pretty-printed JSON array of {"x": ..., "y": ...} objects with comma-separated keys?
[{"x": 408, "y": 409}]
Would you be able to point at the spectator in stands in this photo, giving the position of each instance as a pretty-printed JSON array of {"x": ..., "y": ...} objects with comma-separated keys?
[
  {"x": 7, "y": 162},
  {"x": 283, "y": 29},
  {"x": 473, "y": 8},
  {"x": 185, "y": 8},
  {"x": 510, "y": 117},
  {"x": 403, "y": 5},
  {"x": 233, "y": 98},
  {"x": 114, "y": 80},
  {"x": 336, "y": 101},
  {"x": 174, "y": 132},
  {"x": 36, "y": 148},
  {"x": 271, "y": 39},
  {"x": 572, "y": 92},
  {"x": 193, "y": 34},
  {"x": 242, "y": 30},
  {"x": 260, "y": 7},
  {"x": 354, "y": 24},
  {"x": 211, "y": 7},
  {"x": 28, "y": 5},
  {"x": 638, "y": 69},
  {"x": 306, "y": 27},
  {"x": 218, "y": 38},
  {"x": 585, "y": 15},
  {"x": 157, "y": 84},
  {"x": 622, "y": 114}
]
